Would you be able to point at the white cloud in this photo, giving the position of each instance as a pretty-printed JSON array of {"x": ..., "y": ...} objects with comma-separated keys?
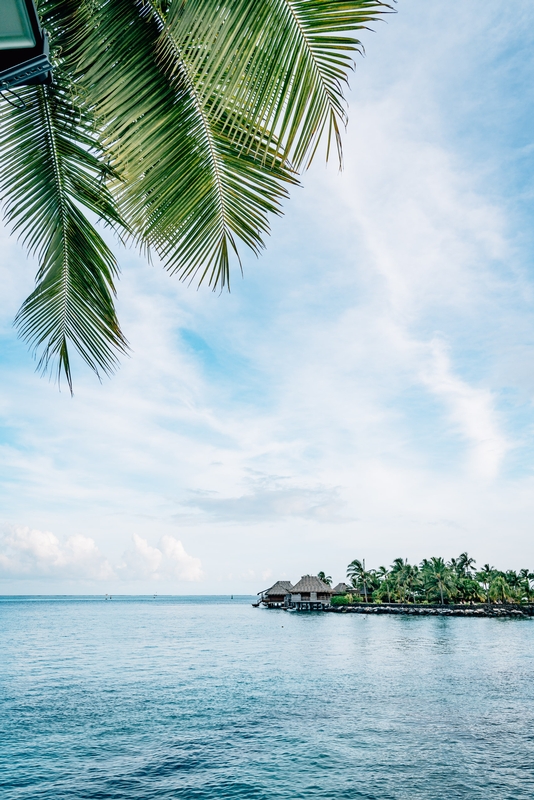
[
  {"x": 30, "y": 553},
  {"x": 167, "y": 561}
]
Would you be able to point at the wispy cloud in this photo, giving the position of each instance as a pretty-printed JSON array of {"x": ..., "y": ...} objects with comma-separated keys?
[
  {"x": 269, "y": 498},
  {"x": 472, "y": 413}
]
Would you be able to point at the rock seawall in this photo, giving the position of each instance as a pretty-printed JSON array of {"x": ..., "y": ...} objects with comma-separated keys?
[{"x": 479, "y": 610}]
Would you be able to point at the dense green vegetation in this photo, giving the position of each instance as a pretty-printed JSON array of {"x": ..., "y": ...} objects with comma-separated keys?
[{"x": 435, "y": 580}]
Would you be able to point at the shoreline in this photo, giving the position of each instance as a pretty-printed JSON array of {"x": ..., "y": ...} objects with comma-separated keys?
[{"x": 478, "y": 610}]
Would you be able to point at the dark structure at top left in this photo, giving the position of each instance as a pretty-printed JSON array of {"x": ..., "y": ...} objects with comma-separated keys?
[{"x": 24, "y": 49}]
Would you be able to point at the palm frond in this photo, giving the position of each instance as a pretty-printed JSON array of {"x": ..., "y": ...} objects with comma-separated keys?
[
  {"x": 189, "y": 191},
  {"x": 280, "y": 65},
  {"x": 49, "y": 172},
  {"x": 190, "y": 116}
]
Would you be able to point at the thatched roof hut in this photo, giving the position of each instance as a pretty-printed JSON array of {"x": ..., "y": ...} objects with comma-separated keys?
[
  {"x": 343, "y": 588},
  {"x": 277, "y": 595},
  {"x": 311, "y": 583},
  {"x": 310, "y": 593},
  {"x": 279, "y": 589}
]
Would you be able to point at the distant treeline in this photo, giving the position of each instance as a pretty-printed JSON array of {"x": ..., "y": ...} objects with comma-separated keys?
[{"x": 435, "y": 580}]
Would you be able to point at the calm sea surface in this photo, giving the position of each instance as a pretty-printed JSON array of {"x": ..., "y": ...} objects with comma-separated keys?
[{"x": 203, "y": 698}]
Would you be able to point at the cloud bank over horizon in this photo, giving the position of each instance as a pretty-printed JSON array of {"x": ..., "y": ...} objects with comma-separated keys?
[
  {"x": 367, "y": 389},
  {"x": 31, "y": 554}
]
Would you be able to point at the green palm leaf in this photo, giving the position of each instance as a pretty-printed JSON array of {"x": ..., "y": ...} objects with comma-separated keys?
[
  {"x": 48, "y": 173},
  {"x": 279, "y": 65},
  {"x": 191, "y": 117},
  {"x": 188, "y": 190}
]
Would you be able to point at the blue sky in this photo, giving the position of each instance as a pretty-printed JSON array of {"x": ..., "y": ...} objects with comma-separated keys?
[{"x": 365, "y": 391}]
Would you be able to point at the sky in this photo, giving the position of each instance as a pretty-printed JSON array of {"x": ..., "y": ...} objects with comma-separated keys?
[{"x": 364, "y": 391}]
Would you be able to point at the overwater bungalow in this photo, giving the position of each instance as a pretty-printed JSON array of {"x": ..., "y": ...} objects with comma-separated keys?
[
  {"x": 343, "y": 588},
  {"x": 310, "y": 594},
  {"x": 278, "y": 596}
]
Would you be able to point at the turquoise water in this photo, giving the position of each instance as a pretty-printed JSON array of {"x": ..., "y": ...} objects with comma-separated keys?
[{"x": 203, "y": 698}]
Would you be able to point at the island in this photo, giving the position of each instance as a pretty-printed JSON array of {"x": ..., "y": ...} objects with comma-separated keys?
[{"x": 433, "y": 587}]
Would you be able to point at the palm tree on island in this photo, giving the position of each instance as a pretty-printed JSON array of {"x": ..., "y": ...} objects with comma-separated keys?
[
  {"x": 384, "y": 584},
  {"x": 437, "y": 576},
  {"x": 436, "y": 580},
  {"x": 402, "y": 575},
  {"x": 526, "y": 586},
  {"x": 358, "y": 576},
  {"x": 500, "y": 589},
  {"x": 325, "y": 578},
  {"x": 484, "y": 577}
]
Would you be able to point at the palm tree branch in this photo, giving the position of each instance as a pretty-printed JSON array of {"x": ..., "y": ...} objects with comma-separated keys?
[
  {"x": 280, "y": 64},
  {"x": 189, "y": 191},
  {"x": 50, "y": 172},
  {"x": 170, "y": 51}
]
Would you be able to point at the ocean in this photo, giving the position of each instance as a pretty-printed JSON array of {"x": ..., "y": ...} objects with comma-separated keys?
[{"x": 206, "y": 697}]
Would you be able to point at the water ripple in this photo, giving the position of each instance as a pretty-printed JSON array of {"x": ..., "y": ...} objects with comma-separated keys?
[{"x": 201, "y": 700}]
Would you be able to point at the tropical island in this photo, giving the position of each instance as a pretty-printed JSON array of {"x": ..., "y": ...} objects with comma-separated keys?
[{"x": 434, "y": 586}]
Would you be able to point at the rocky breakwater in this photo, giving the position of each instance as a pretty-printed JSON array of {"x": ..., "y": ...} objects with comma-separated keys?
[{"x": 479, "y": 610}]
